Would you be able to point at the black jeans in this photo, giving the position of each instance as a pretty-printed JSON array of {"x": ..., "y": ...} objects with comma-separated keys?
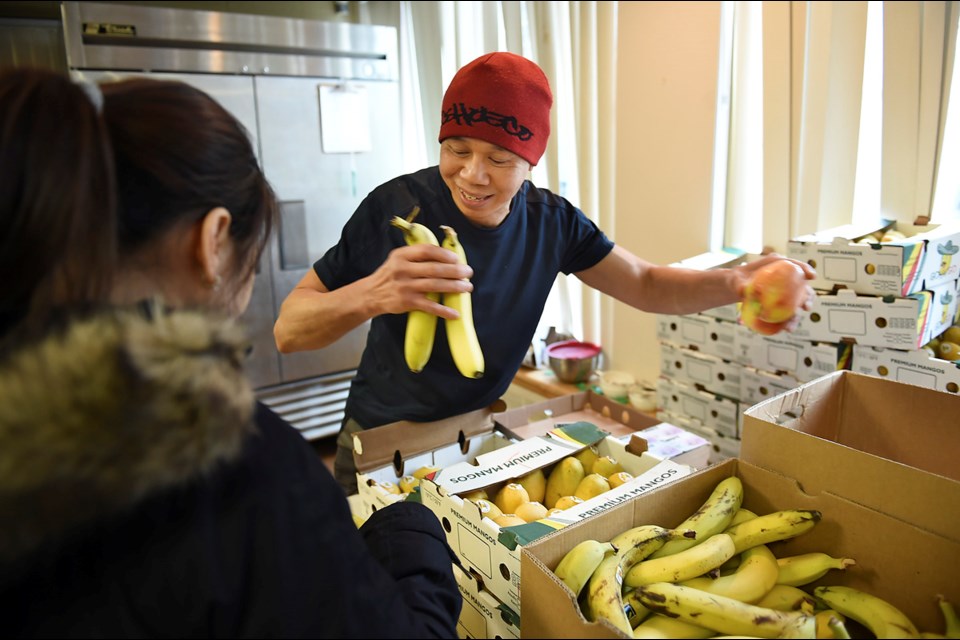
[{"x": 344, "y": 466}]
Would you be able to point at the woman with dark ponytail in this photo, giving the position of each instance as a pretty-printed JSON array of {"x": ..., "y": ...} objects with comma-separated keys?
[{"x": 144, "y": 492}]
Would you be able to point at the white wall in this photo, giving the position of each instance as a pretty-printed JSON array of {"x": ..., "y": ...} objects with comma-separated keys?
[{"x": 666, "y": 106}]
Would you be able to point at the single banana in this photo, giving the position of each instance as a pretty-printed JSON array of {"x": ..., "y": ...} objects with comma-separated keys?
[
  {"x": 421, "y": 326},
  {"x": 712, "y": 517},
  {"x": 830, "y": 623},
  {"x": 837, "y": 627},
  {"x": 636, "y": 539},
  {"x": 772, "y": 527},
  {"x": 461, "y": 333},
  {"x": 661, "y": 626},
  {"x": 879, "y": 616},
  {"x": 605, "y": 590},
  {"x": 683, "y": 565},
  {"x": 579, "y": 563},
  {"x": 636, "y": 612},
  {"x": 951, "y": 621},
  {"x": 724, "y": 615},
  {"x": 783, "y": 597},
  {"x": 742, "y": 515},
  {"x": 804, "y": 568},
  {"x": 752, "y": 580}
]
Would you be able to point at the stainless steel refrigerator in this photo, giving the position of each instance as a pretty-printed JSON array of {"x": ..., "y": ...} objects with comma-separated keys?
[{"x": 321, "y": 101}]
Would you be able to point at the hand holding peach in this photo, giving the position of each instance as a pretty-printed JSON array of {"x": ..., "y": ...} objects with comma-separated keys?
[{"x": 772, "y": 295}]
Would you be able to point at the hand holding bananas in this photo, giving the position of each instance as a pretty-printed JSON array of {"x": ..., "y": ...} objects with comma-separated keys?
[
  {"x": 410, "y": 273},
  {"x": 422, "y": 325}
]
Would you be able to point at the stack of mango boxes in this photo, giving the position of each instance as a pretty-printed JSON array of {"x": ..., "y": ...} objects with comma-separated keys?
[
  {"x": 712, "y": 368},
  {"x": 883, "y": 292},
  {"x": 889, "y": 299}
]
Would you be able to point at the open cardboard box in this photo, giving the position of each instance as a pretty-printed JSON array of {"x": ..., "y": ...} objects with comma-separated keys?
[
  {"x": 876, "y": 458},
  {"x": 387, "y": 453},
  {"x": 888, "y": 445},
  {"x": 889, "y": 268},
  {"x": 575, "y": 421}
]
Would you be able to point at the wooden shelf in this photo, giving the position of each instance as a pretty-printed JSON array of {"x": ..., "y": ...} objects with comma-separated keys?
[{"x": 546, "y": 383}]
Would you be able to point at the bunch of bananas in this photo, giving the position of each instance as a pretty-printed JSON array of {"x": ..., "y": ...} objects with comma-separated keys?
[
  {"x": 714, "y": 575},
  {"x": 422, "y": 326}
]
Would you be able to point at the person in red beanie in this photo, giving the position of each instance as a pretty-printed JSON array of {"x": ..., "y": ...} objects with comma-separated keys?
[{"x": 495, "y": 124}]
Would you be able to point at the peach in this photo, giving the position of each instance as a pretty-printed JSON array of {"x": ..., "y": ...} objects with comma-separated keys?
[{"x": 775, "y": 292}]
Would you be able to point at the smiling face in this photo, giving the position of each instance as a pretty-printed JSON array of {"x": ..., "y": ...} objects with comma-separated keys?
[{"x": 482, "y": 178}]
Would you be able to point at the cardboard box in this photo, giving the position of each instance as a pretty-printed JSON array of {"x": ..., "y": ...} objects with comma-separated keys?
[
  {"x": 886, "y": 445},
  {"x": 896, "y": 559},
  {"x": 912, "y": 367},
  {"x": 895, "y": 323},
  {"x": 699, "y": 332},
  {"x": 876, "y": 458},
  {"x": 698, "y": 369},
  {"x": 624, "y": 424},
  {"x": 387, "y": 453},
  {"x": 540, "y": 418},
  {"x": 941, "y": 262},
  {"x": 482, "y": 615},
  {"x": 785, "y": 353},
  {"x": 890, "y": 268},
  {"x": 493, "y": 552},
  {"x": 708, "y": 409},
  {"x": 757, "y": 385}
]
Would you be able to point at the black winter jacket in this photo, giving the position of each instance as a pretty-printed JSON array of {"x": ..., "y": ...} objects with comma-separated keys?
[{"x": 144, "y": 493}]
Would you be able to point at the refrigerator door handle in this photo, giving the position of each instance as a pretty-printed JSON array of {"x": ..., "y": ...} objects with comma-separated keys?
[{"x": 294, "y": 253}]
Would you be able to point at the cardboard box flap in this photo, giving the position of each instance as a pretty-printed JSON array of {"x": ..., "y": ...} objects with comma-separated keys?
[
  {"x": 586, "y": 406},
  {"x": 655, "y": 478},
  {"x": 844, "y": 233},
  {"x": 394, "y": 442},
  {"x": 519, "y": 459},
  {"x": 884, "y": 444}
]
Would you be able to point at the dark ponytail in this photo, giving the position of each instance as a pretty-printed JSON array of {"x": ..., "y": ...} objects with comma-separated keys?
[{"x": 57, "y": 233}]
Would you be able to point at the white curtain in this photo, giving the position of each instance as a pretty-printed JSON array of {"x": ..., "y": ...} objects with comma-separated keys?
[
  {"x": 810, "y": 101},
  {"x": 575, "y": 44}
]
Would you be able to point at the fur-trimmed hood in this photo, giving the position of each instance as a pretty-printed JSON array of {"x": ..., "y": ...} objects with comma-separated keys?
[{"x": 111, "y": 409}]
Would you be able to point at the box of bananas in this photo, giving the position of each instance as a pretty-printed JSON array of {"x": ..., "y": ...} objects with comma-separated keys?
[
  {"x": 492, "y": 506},
  {"x": 741, "y": 550}
]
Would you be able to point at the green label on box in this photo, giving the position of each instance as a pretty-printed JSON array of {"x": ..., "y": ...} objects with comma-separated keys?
[{"x": 580, "y": 433}]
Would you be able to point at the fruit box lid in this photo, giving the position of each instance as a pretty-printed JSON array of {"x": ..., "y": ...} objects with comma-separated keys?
[
  {"x": 397, "y": 441},
  {"x": 888, "y": 445},
  {"x": 518, "y": 459}
]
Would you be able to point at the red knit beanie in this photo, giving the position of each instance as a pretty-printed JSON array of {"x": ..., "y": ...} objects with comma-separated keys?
[{"x": 503, "y": 99}]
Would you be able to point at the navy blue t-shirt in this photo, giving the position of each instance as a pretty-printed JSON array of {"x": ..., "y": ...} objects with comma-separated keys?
[{"x": 514, "y": 268}]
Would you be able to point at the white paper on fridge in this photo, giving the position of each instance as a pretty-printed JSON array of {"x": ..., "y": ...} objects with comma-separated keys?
[{"x": 344, "y": 118}]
